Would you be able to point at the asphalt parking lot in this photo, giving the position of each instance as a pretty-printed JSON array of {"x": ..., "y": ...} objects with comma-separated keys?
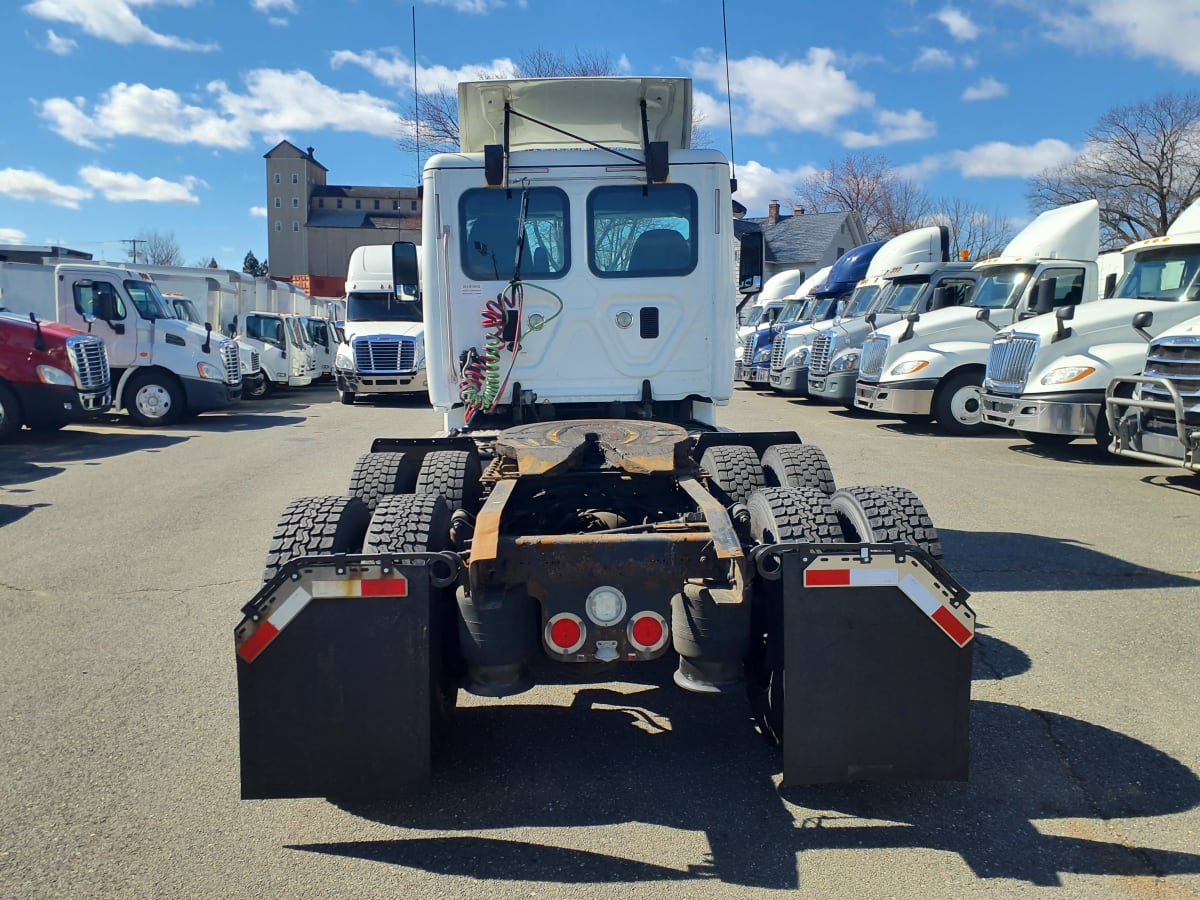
[{"x": 126, "y": 554}]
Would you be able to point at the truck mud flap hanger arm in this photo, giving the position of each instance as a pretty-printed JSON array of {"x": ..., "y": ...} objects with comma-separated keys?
[
  {"x": 877, "y": 679},
  {"x": 336, "y": 665}
]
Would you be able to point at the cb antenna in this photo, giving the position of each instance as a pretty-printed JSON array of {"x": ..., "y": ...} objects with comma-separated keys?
[
  {"x": 416, "y": 99},
  {"x": 729, "y": 103}
]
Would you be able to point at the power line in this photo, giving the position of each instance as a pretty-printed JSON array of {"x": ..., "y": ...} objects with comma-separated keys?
[{"x": 134, "y": 242}]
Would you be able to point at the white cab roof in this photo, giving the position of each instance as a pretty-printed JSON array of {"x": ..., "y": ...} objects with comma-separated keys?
[
  {"x": 606, "y": 111},
  {"x": 1069, "y": 232},
  {"x": 921, "y": 245},
  {"x": 1184, "y": 230}
]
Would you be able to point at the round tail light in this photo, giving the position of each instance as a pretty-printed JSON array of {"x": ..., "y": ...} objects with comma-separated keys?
[
  {"x": 647, "y": 631},
  {"x": 564, "y": 633}
]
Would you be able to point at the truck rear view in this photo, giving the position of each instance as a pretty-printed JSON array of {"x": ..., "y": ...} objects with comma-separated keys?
[{"x": 582, "y": 509}]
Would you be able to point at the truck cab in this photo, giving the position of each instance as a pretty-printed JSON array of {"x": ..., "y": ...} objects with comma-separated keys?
[
  {"x": 801, "y": 308},
  {"x": 324, "y": 343},
  {"x": 1047, "y": 377},
  {"x": 283, "y": 350},
  {"x": 880, "y": 293},
  {"x": 253, "y": 379},
  {"x": 163, "y": 367},
  {"x": 932, "y": 365},
  {"x": 50, "y": 375},
  {"x": 383, "y": 350},
  {"x": 759, "y": 313}
]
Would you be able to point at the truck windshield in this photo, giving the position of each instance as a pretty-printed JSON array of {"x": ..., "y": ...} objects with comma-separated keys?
[
  {"x": 793, "y": 311},
  {"x": 906, "y": 295},
  {"x": 1001, "y": 287},
  {"x": 377, "y": 307},
  {"x": 754, "y": 316},
  {"x": 185, "y": 309},
  {"x": 318, "y": 331},
  {"x": 860, "y": 301},
  {"x": 298, "y": 334},
  {"x": 1164, "y": 273},
  {"x": 149, "y": 302}
]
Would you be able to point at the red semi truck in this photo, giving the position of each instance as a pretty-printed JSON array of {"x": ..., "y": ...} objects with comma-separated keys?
[{"x": 50, "y": 375}]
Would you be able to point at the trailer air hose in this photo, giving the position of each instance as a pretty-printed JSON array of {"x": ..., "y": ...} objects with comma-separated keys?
[{"x": 481, "y": 385}]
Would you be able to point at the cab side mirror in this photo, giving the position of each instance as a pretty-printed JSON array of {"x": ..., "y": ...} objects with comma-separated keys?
[
  {"x": 750, "y": 263},
  {"x": 1141, "y": 322},
  {"x": 1043, "y": 298},
  {"x": 942, "y": 298},
  {"x": 1061, "y": 315},
  {"x": 404, "y": 264},
  {"x": 1110, "y": 285}
]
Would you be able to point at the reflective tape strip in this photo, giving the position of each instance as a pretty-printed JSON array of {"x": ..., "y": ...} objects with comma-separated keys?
[
  {"x": 362, "y": 587},
  {"x": 957, "y": 625},
  {"x": 268, "y": 629}
]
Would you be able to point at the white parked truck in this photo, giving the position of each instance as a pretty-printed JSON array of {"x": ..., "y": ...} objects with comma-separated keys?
[
  {"x": 383, "y": 351},
  {"x": 162, "y": 367},
  {"x": 897, "y": 282},
  {"x": 1047, "y": 377},
  {"x": 932, "y": 364},
  {"x": 582, "y": 510},
  {"x": 1155, "y": 416},
  {"x": 252, "y": 374}
]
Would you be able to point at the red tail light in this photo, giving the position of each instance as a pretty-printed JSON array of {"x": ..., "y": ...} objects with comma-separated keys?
[
  {"x": 647, "y": 631},
  {"x": 564, "y": 633}
]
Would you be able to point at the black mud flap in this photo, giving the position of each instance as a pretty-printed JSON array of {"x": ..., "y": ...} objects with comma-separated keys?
[
  {"x": 878, "y": 641},
  {"x": 334, "y": 677}
]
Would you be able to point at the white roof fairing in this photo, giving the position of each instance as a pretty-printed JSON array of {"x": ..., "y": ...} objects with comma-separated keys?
[{"x": 605, "y": 111}]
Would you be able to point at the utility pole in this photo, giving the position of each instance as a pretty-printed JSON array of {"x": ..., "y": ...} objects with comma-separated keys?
[{"x": 133, "y": 242}]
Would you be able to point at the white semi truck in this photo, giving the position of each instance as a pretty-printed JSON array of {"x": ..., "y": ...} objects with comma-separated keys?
[
  {"x": 932, "y": 364},
  {"x": 383, "y": 350},
  {"x": 1155, "y": 416},
  {"x": 162, "y": 367},
  {"x": 252, "y": 373},
  {"x": 897, "y": 282},
  {"x": 582, "y": 510},
  {"x": 1047, "y": 377}
]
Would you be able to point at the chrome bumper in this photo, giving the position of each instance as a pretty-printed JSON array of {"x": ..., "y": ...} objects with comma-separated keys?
[
  {"x": 1041, "y": 416},
  {"x": 399, "y": 383},
  {"x": 894, "y": 398}
]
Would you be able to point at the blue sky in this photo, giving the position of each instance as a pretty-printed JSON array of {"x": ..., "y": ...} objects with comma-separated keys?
[{"x": 127, "y": 116}]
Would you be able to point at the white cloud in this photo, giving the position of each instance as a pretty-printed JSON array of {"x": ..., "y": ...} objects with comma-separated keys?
[
  {"x": 933, "y": 58},
  {"x": 624, "y": 66},
  {"x": 795, "y": 95},
  {"x": 59, "y": 45},
  {"x": 27, "y": 184},
  {"x": 1160, "y": 29},
  {"x": 957, "y": 23},
  {"x": 126, "y": 187},
  {"x": 12, "y": 236},
  {"x": 258, "y": 212},
  {"x": 986, "y": 89},
  {"x": 268, "y": 107},
  {"x": 894, "y": 127},
  {"x": 396, "y": 70},
  {"x": 113, "y": 20},
  {"x": 759, "y": 185},
  {"x": 277, "y": 21},
  {"x": 469, "y": 6},
  {"x": 998, "y": 159},
  {"x": 267, "y": 6}
]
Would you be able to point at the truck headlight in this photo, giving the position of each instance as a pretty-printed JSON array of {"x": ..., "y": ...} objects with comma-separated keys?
[
  {"x": 208, "y": 370},
  {"x": 844, "y": 362},
  {"x": 344, "y": 358},
  {"x": 52, "y": 375},
  {"x": 1068, "y": 374},
  {"x": 907, "y": 368},
  {"x": 762, "y": 355},
  {"x": 419, "y": 357},
  {"x": 799, "y": 357}
]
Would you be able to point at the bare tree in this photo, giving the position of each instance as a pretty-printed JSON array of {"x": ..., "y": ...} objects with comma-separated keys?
[
  {"x": 155, "y": 248},
  {"x": 1141, "y": 162},
  {"x": 978, "y": 233},
  {"x": 866, "y": 183}
]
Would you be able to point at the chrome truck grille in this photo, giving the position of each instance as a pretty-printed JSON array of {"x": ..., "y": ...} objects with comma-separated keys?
[
  {"x": 1176, "y": 360},
  {"x": 384, "y": 355},
  {"x": 748, "y": 350},
  {"x": 870, "y": 364},
  {"x": 255, "y": 364},
  {"x": 823, "y": 348},
  {"x": 90, "y": 361},
  {"x": 231, "y": 359},
  {"x": 1009, "y": 362},
  {"x": 778, "y": 347}
]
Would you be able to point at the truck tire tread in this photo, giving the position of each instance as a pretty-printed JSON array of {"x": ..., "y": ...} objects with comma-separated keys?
[
  {"x": 734, "y": 472},
  {"x": 797, "y": 466},
  {"x": 378, "y": 475},
  {"x": 886, "y": 514},
  {"x": 316, "y": 525},
  {"x": 454, "y": 474}
]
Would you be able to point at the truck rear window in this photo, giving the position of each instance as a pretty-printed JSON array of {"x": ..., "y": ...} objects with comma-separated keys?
[
  {"x": 489, "y": 219},
  {"x": 637, "y": 232}
]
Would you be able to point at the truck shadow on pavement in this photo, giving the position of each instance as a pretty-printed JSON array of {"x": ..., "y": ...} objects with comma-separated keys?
[
  {"x": 1012, "y": 561},
  {"x": 694, "y": 764},
  {"x": 36, "y": 456}
]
